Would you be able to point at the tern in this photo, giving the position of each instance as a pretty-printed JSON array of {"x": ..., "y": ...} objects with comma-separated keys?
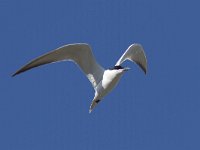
[{"x": 102, "y": 80}]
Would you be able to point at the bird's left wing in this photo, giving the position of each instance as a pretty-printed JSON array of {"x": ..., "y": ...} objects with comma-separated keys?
[
  {"x": 80, "y": 53},
  {"x": 134, "y": 53}
]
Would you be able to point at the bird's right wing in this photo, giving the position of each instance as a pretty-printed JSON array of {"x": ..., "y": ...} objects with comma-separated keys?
[
  {"x": 80, "y": 53},
  {"x": 134, "y": 53}
]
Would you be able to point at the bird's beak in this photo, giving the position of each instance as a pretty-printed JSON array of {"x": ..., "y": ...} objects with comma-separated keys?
[{"x": 126, "y": 68}]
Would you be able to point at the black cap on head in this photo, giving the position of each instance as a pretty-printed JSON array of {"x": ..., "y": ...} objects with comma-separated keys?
[{"x": 117, "y": 68}]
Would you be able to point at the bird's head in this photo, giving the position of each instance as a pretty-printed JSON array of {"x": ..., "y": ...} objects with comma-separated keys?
[
  {"x": 120, "y": 68},
  {"x": 115, "y": 72}
]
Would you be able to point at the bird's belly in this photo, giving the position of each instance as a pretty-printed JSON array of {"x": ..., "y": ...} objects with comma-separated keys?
[
  {"x": 106, "y": 86},
  {"x": 110, "y": 84}
]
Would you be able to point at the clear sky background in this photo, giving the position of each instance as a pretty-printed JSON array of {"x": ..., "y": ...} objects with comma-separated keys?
[{"x": 47, "y": 108}]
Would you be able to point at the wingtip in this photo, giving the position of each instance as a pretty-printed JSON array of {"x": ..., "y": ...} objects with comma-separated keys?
[
  {"x": 143, "y": 67},
  {"x": 14, "y": 74},
  {"x": 145, "y": 72}
]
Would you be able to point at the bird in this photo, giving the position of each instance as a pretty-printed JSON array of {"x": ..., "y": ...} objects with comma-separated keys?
[{"x": 102, "y": 80}]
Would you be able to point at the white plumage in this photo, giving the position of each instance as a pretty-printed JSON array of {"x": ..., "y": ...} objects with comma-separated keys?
[{"x": 103, "y": 81}]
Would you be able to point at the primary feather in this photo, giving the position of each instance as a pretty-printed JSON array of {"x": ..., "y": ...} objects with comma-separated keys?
[{"x": 80, "y": 53}]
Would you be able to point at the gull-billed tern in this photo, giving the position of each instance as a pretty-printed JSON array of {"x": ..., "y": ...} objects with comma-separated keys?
[{"x": 102, "y": 80}]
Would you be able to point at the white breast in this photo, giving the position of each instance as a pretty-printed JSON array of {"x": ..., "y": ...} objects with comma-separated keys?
[{"x": 109, "y": 81}]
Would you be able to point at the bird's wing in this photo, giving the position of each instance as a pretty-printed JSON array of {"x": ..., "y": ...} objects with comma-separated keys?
[
  {"x": 79, "y": 53},
  {"x": 134, "y": 53}
]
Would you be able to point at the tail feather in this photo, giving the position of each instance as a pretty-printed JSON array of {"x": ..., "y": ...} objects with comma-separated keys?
[{"x": 93, "y": 104}]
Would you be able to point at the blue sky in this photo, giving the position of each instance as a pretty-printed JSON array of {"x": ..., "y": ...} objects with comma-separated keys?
[{"x": 47, "y": 108}]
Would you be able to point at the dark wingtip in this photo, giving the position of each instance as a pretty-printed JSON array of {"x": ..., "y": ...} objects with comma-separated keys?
[
  {"x": 145, "y": 71},
  {"x": 14, "y": 74},
  {"x": 143, "y": 68},
  {"x": 18, "y": 72}
]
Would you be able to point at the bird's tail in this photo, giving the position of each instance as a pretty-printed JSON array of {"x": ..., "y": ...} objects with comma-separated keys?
[{"x": 93, "y": 104}]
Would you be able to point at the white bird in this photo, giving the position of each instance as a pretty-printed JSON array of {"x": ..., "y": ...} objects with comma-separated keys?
[{"x": 103, "y": 81}]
